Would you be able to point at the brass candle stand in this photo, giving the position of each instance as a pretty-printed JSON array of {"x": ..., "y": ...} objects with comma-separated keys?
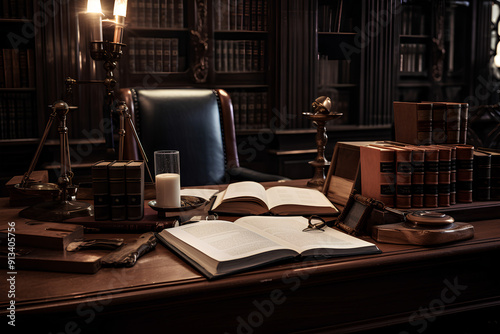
[
  {"x": 320, "y": 115},
  {"x": 65, "y": 206}
]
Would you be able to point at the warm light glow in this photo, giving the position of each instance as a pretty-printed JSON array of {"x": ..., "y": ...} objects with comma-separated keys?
[
  {"x": 120, "y": 8},
  {"x": 94, "y": 6}
]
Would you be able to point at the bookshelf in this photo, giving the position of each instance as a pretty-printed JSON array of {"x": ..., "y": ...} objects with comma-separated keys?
[
  {"x": 338, "y": 69},
  {"x": 18, "y": 116},
  {"x": 199, "y": 43},
  {"x": 435, "y": 50},
  {"x": 273, "y": 57},
  {"x": 157, "y": 38}
]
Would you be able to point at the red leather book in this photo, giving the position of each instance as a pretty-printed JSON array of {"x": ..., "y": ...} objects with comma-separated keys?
[
  {"x": 413, "y": 122},
  {"x": 465, "y": 168},
  {"x": 378, "y": 173},
  {"x": 431, "y": 176}
]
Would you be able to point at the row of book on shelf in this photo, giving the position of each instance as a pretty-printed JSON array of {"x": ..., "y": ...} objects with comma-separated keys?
[
  {"x": 250, "y": 109},
  {"x": 156, "y": 13},
  {"x": 240, "y": 15},
  {"x": 333, "y": 71},
  {"x": 413, "y": 20},
  {"x": 409, "y": 176},
  {"x": 118, "y": 190},
  {"x": 17, "y": 115},
  {"x": 16, "y": 9},
  {"x": 17, "y": 68},
  {"x": 155, "y": 55},
  {"x": 329, "y": 16},
  {"x": 412, "y": 58},
  {"x": 240, "y": 55}
]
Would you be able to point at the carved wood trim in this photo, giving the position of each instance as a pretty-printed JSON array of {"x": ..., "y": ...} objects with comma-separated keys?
[{"x": 199, "y": 40}]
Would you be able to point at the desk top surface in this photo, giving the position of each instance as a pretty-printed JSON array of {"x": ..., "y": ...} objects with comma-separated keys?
[{"x": 162, "y": 274}]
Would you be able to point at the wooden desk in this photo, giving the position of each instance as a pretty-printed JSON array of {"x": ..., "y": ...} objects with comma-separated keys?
[{"x": 406, "y": 285}]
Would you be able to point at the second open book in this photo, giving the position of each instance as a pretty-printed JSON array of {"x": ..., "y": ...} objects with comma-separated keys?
[
  {"x": 252, "y": 198},
  {"x": 219, "y": 247}
]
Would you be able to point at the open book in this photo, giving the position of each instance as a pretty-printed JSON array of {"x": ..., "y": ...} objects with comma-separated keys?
[
  {"x": 218, "y": 247},
  {"x": 250, "y": 197}
]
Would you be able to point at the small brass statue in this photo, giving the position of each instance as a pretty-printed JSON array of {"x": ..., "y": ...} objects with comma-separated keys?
[
  {"x": 322, "y": 105},
  {"x": 320, "y": 114}
]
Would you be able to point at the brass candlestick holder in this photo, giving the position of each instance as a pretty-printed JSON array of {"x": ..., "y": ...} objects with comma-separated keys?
[
  {"x": 320, "y": 115},
  {"x": 65, "y": 207}
]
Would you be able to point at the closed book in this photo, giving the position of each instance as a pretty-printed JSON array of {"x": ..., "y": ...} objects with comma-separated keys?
[
  {"x": 134, "y": 177},
  {"x": 464, "y": 116},
  {"x": 495, "y": 172},
  {"x": 117, "y": 190},
  {"x": 248, "y": 56},
  {"x": 31, "y": 68},
  {"x": 453, "y": 114},
  {"x": 247, "y": 15},
  {"x": 7, "y": 65},
  {"x": 156, "y": 14},
  {"x": 481, "y": 176},
  {"x": 413, "y": 122},
  {"x": 23, "y": 68},
  {"x": 2, "y": 70},
  {"x": 158, "y": 62},
  {"x": 251, "y": 111},
  {"x": 131, "y": 55},
  {"x": 170, "y": 13},
  {"x": 403, "y": 177},
  {"x": 255, "y": 55},
  {"x": 174, "y": 55},
  {"x": 377, "y": 166},
  {"x": 148, "y": 14},
  {"x": 150, "y": 55},
  {"x": 444, "y": 176},
  {"x": 431, "y": 176},
  {"x": 141, "y": 13},
  {"x": 439, "y": 123},
  {"x": 241, "y": 56},
  {"x": 179, "y": 14},
  {"x": 244, "y": 109},
  {"x": 230, "y": 56},
  {"x": 453, "y": 175},
  {"x": 16, "y": 72},
  {"x": 167, "y": 61},
  {"x": 100, "y": 189},
  {"x": 465, "y": 168},
  {"x": 403, "y": 171},
  {"x": 132, "y": 13},
  {"x": 141, "y": 54},
  {"x": 417, "y": 176}
]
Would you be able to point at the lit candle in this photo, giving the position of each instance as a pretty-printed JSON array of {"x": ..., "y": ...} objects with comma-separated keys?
[
  {"x": 94, "y": 14},
  {"x": 120, "y": 11},
  {"x": 168, "y": 190}
]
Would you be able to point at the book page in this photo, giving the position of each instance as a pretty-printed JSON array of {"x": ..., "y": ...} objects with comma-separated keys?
[
  {"x": 223, "y": 241},
  {"x": 288, "y": 231},
  {"x": 239, "y": 190},
  {"x": 282, "y": 195}
]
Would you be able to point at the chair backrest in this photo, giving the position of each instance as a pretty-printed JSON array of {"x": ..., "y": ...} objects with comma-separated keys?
[{"x": 197, "y": 122}]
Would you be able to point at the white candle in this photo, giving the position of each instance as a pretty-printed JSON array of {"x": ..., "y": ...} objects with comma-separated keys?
[
  {"x": 168, "y": 190},
  {"x": 94, "y": 14},
  {"x": 120, "y": 11}
]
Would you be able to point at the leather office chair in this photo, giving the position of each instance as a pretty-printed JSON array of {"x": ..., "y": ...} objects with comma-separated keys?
[{"x": 198, "y": 123}]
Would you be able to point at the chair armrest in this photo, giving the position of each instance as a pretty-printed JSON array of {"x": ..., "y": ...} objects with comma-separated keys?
[{"x": 245, "y": 174}]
